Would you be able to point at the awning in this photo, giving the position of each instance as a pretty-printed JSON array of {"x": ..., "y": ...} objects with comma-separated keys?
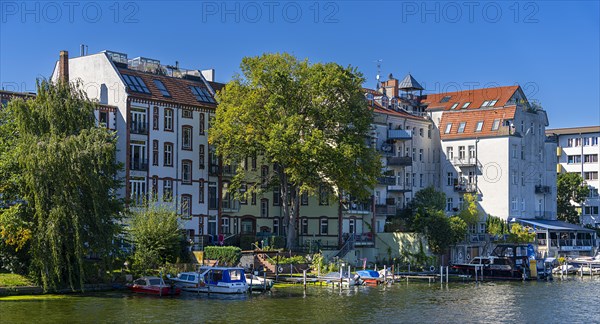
[{"x": 554, "y": 225}]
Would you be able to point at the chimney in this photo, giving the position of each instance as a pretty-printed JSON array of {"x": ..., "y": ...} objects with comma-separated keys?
[{"x": 63, "y": 66}]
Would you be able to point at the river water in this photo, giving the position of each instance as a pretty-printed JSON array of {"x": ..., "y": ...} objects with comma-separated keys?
[{"x": 574, "y": 300}]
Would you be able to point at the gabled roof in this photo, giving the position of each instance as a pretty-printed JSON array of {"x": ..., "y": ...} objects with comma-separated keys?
[
  {"x": 476, "y": 97},
  {"x": 377, "y": 108},
  {"x": 409, "y": 83},
  {"x": 471, "y": 118},
  {"x": 178, "y": 88}
]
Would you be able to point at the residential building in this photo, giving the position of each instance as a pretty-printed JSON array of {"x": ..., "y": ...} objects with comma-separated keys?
[
  {"x": 162, "y": 120},
  {"x": 578, "y": 152}
]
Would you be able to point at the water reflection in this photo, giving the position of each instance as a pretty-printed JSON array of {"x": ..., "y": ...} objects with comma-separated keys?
[{"x": 573, "y": 300}]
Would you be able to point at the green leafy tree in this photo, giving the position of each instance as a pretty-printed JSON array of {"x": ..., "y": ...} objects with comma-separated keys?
[
  {"x": 310, "y": 121},
  {"x": 459, "y": 229},
  {"x": 571, "y": 189},
  {"x": 469, "y": 211},
  {"x": 64, "y": 171},
  {"x": 496, "y": 226},
  {"x": 520, "y": 234},
  {"x": 438, "y": 232},
  {"x": 426, "y": 203},
  {"x": 156, "y": 235}
]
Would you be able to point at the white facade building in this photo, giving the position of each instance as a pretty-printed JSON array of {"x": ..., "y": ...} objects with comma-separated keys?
[
  {"x": 578, "y": 152},
  {"x": 493, "y": 144},
  {"x": 162, "y": 125}
]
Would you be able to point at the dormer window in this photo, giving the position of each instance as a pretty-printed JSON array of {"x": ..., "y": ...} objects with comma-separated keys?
[
  {"x": 135, "y": 83},
  {"x": 461, "y": 127},
  {"x": 448, "y": 128},
  {"x": 202, "y": 94},
  {"x": 384, "y": 101},
  {"x": 465, "y": 105},
  {"x": 445, "y": 99},
  {"x": 454, "y": 105},
  {"x": 161, "y": 87}
]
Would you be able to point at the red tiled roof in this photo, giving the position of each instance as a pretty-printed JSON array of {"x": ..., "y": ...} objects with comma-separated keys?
[
  {"x": 471, "y": 118},
  {"x": 476, "y": 97},
  {"x": 400, "y": 113},
  {"x": 177, "y": 87}
]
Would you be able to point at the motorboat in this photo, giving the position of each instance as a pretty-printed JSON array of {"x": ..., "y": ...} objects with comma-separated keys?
[
  {"x": 369, "y": 277},
  {"x": 256, "y": 283},
  {"x": 565, "y": 269},
  {"x": 153, "y": 286},
  {"x": 506, "y": 262},
  {"x": 338, "y": 277},
  {"x": 221, "y": 280}
]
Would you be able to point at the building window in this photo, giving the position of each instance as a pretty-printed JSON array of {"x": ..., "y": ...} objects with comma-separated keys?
[
  {"x": 212, "y": 196},
  {"x": 137, "y": 156},
  {"x": 522, "y": 127},
  {"x": 449, "y": 204},
  {"x": 514, "y": 177},
  {"x": 461, "y": 127},
  {"x": 461, "y": 152},
  {"x": 264, "y": 207},
  {"x": 243, "y": 189},
  {"x": 186, "y": 206},
  {"x": 304, "y": 227},
  {"x": 513, "y": 203},
  {"x": 421, "y": 155},
  {"x": 592, "y": 175},
  {"x": 202, "y": 94},
  {"x": 471, "y": 152},
  {"x": 429, "y": 131},
  {"x": 186, "y": 113},
  {"x": 201, "y": 124},
  {"x": 186, "y": 137},
  {"x": 276, "y": 226},
  {"x": 276, "y": 196},
  {"x": 225, "y": 225},
  {"x": 454, "y": 105},
  {"x": 264, "y": 176},
  {"x": 522, "y": 152},
  {"x": 414, "y": 154},
  {"x": 590, "y": 158},
  {"x": 407, "y": 180},
  {"x": 351, "y": 226},
  {"x": 137, "y": 190},
  {"x": 253, "y": 164},
  {"x": 155, "y": 152},
  {"x": 323, "y": 195},
  {"x": 578, "y": 142},
  {"x": 461, "y": 201},
  {"x": 201, "y": 192},
  {"x": 324, "y": 226},
  {"x": 591, "y": 210},
  {"x": 522, "y": 178},
  {"x": 466, "y": 105},
  {"x": 593, "y": 192},
  {"x": 154, "y": 187},
  {"x": 414, "y": 182},
  {"x": 253, "y": 198},
  {"x": 479, "y": 126},
  {"x": 421, "y": 132},
  {"x": 570, "y": 142},
  {"x": 201, "y": 156},
  {"x": 448, "y": 128},
  {"x": 594, "y": 141},
  {"x": 450, "y": 179},
  {"x": 304, "y": 199},
  {"x": 572, "y": 159},
  {"x": 155, "y": 118},
  {"x": 421, "y": 180},
  {"x": 496, "y": 124},
  {"x": 167, "y": 190},
  {"x": 522, "y": 204},
  {"x": 103, "y": 118},
  {"x": 449, "y": 152},
  {"x": 514, "y": 151},
  {"x": 186, "y": 171},
  {"x": 168, "y": 154},
  {"x": 168, "y": 122}
]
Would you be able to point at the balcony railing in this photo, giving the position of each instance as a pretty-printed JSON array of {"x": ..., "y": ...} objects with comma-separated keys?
[
  {"x": 399, "y": 134},
  {"x": 138, "y": 128},
  {"x": 400, "y": 188},
  {"x": 385, "y": 210},
  {"x": 139, "y": 165},
  {"x": 389, "y": 181},
  {"x": 354, "y": 208},
  {"x": 465, "y": 162},
  {"x": 399, "y": 161},
  {"x": 465, "y": 187},
  {"x": 539, "y": 189}
]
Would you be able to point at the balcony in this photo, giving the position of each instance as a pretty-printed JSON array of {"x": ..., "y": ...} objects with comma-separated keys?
[
  {"x": 539, "y": 189},
  {"x": 399, "y": 161},
  {"x": 399, "y": 134},
  {"x": 386, "y": 149},
  {"x": 400, "y": 188},
  {"x": 385, "y": 210},
  {"x": 354, "y": 208},
  {"x": 465, "y": 187},
  {"x": 138, "y": 128},
  {"x": 387, "y": 181},
  {"x": 139, "y": 165},
  {"x": 464, "y": 162}
]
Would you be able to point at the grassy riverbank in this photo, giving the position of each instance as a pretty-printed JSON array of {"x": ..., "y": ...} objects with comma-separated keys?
[{"x": 13, "y": 280}]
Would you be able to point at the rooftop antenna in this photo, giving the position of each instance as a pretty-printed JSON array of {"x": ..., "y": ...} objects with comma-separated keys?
[{"x": 378, "y": 73}]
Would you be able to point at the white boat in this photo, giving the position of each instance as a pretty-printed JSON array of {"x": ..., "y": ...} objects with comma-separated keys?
[
  {"x": 221, "y": 280},
  {"x": 565, "y": 269},
  {"x": 256, "y": 283},
  {"x": 336, "y": 277}
]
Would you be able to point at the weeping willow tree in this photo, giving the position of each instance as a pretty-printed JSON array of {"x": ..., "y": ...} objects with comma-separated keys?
[{"x": 62, "y": 171}]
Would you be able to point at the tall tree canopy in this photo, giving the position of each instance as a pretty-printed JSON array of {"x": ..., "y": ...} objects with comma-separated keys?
[
  {"x": 59, "y": 176},
  {"x": 310, "y": 120},
  {"x": 570, "y": 189}
]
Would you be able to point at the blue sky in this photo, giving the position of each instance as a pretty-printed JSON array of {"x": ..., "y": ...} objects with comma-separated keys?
[{"x": 550, "y": 48}]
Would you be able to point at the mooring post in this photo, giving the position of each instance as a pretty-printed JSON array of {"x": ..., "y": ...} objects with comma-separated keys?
[
  {"x": 475, "y": 273},
  {"x": 264, "y": 280},
  {"x": 446, "y": 274},
  {"x": 251, "y": 278},
  {"x": 385, "y": 274},
  {"x": 441, "y": 274},
  {"x": 304, "y": 278}
]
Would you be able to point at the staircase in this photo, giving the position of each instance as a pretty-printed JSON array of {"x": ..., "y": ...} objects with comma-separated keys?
[
  {"x": 262, "y": 260},
  {"x": 349, "y": 245}
]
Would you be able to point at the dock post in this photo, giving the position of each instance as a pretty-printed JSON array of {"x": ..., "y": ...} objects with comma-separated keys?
[
  {"x": 590, "y": 265},
  {"x": 251, "y": 277},
  {"x": 264, "y": 281},
  {"x": 475, "y": 273},
  {"x": 349, "y": 268},
  {"x": 385, "y": 274},
  {"x": 447, "y": 274},
  {"x": 393, "y": 274},
  {"x": 304, "y": 278},
  {"x": 441, "y": 274}
]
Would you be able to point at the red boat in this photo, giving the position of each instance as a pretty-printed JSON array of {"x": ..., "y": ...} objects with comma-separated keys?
[{"x": 153, "y": 286}]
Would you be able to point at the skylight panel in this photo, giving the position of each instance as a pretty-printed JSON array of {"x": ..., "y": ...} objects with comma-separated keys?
[
  {"x": 492, "y": 103},
  {"x": 461, "y": 127},
  {"x": 454, "y": 106},
  {"x": 135, "y": 83},
  {"x": 445, "y": 99},
  {"x": 466, "y": 105},
  {"x": 161, "y": 87},
  {"x": 496, "y": 124},
  {"x": 485, "y": 103},
  {"x": 448, "y": 128},
  {"x": 479, "y": 126},
  {"x": 202, "y": 94}
]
